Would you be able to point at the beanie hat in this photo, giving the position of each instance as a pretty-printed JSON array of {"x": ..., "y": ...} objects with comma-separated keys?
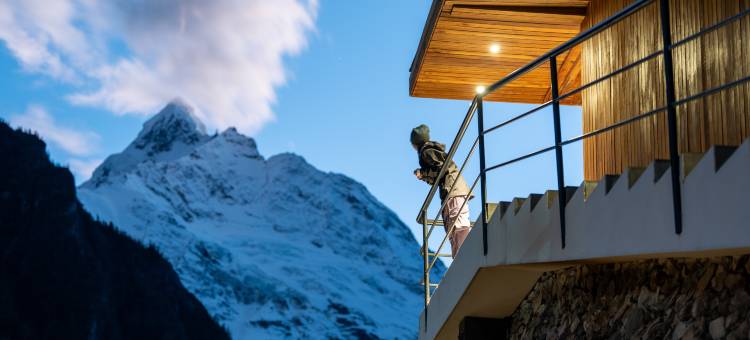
[{"x": 420, "y": 135}]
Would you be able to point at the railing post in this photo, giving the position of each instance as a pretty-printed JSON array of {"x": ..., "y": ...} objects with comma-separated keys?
[
  {"x": 426, "y": 274},
  {"x": 558, "y": 146},
  {"x": 482, "y": 175},
  {"x": 674, "y": 156}
]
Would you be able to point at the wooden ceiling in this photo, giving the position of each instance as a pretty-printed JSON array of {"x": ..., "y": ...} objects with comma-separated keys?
[{"x": 454, "y": 54}]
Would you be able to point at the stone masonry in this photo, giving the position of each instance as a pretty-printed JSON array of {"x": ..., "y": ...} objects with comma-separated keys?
[{"x": 680, "y": 298}]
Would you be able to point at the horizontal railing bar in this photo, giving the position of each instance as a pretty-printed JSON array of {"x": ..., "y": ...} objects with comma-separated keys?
[
  {"x": 576, "y": 90},
  {"x": 460, "y": 172},
  {"x": 708, "y": 29},
  {"x": 450, "y": 230},
  {"x": 581, "y": 88},
  {"x": 538, "y": 152},
  {"x": 712, "y": 91},
  {"x": 517, "y": 117},
  {"x": 436, "y": 222},
  {"x": 421, "y": 283},
  {"x": 608, "y": 76},
  {"x": 451, "y": 152},
  {"x": 421, "y": 249},
  {"x": 657, "y": 53},
  {"x": 440, "y": 255},
  {"x": 604, "y": 24},
  {"x": 613, "y": 126},
  {"x": 657, "y": 110},
  {"x": 678, "y": 102}
]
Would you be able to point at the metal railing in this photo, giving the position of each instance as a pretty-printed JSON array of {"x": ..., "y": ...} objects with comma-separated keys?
[{"x": 430, "y": 257}]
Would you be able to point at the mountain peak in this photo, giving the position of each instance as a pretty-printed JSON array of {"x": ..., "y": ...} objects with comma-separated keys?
[
  {"x": 170, "y": 134},
  {"x": 175, "y": 122},
  {"x": 234, "y": 223}
]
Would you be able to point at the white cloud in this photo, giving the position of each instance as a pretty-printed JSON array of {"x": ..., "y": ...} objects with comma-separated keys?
[
  {"x": 223, "y": 56},
  {"x": 82, "y": 169},
  {"x": 77, "y": 143},
  {"x": 29, "y": 46}
]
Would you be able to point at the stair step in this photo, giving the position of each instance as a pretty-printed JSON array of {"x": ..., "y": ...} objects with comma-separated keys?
[
  {"x": 550, "y": 196},
  {"x": 503, "y": 206},
  {"x": 722, "y": 154},
  {"x": 534, "y": 200},
  {"x": 633, "y": 175},
  {"x": 588, "y": 188},
  {"x": 490, "y": 208},
  {"x": 688, "y": 161},
  {"x": 569, "y": 192},
  {"x": 517, "y": 203},
  {"x": 609, "y": 182},
  {"x": 660, "y": 167}
]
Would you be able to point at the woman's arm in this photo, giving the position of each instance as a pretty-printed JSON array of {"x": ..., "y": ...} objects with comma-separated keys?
[{"x": 433, "y": 161}]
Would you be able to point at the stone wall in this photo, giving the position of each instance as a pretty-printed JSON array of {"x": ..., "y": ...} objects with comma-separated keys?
[{"x": 652, "y": 299}]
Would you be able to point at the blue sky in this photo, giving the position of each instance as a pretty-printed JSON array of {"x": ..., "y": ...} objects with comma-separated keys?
[{"x": 342, "y": 103}]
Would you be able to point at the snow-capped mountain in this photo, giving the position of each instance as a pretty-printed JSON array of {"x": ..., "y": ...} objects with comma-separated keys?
[{"x": 274, "y": 248}]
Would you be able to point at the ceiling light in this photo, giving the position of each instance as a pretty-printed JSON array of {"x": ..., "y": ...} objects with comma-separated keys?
[
  {"x": 480, "y": 89},
  {"x": 494, "y": 48}
]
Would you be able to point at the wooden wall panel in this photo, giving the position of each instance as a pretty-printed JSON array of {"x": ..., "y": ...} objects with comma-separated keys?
[{"x": 719, "y": 57}]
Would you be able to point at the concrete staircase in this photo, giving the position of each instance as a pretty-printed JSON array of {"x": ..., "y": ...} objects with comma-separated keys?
[{"x": 619, "y": 218}]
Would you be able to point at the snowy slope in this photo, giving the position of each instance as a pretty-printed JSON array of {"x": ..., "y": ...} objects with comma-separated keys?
[{"x": 274, "y": 248}]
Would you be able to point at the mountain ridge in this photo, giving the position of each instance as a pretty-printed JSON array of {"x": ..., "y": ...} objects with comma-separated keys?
[
  {"x": 167, "y": 135},
  {"x": 273, "y": 247}
]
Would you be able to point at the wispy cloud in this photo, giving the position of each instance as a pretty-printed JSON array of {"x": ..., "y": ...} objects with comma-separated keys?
[
  {"x": 223, "y": 56},
  {"x": 30, "y": 42},
  {"x": 74, "y": 142}
]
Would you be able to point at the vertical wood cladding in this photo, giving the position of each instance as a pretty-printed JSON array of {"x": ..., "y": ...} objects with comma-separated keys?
[{"x": 716, "y": 58}]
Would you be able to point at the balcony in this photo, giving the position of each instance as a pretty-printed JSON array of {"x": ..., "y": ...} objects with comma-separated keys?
[{"x": 685, "y": 204}]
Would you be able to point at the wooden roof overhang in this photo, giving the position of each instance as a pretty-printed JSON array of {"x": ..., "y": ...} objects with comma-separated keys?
[{"x": 453, "y": 57}]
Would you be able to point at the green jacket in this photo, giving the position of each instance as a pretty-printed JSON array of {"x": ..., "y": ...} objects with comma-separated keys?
[{"x": 431, "y": 158}]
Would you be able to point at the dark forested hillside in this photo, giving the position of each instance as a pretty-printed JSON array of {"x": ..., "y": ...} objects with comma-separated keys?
[{"x": 64, "y": 275}]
